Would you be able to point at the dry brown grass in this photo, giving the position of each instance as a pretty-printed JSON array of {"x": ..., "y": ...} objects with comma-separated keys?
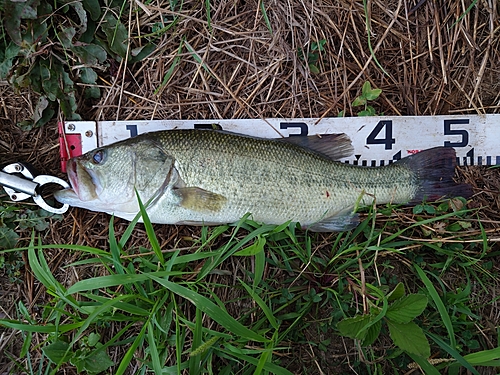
[
  {"x": 439, "y": 59},
  {"x": 434, "y": 63}
]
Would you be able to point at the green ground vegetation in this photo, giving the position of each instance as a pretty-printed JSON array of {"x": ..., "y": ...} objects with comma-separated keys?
[{"x": 166, "y": 313}]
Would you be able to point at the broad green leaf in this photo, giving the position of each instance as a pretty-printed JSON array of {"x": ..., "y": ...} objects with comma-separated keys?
[
  {"x": 373, "y": 94},
  {"x": 66, "y": 36},
  {"x": 364, "y": 113},
  {"x": 57, "y": 352},
  {"x": 8, "y": 238},
  {"x": 40, "y": 109},
  {"x": 314, "y": 69},
  {"x": 140, "y": 53},
  {"x": 372, "y": 333},
  {"x": 93, "y": 339},
  {"x": 369, "y": 93},
  {"x": 367, "y": 87},
  {"x": 82, "y": 15},
  {"x": 93, "y": 7},
  {"x": 46, "y": 116},
  {"x": 7, "y": 58},
  {"x": 90, "y": 54},
  {"x": 396, "y": 293},
  {"x": 360, "y": 100},
  {"x": 410, "y": 338},
  {"x": 407, "y": 308},
  {"x": 418, "y": 209},
  {"x": 116, "y": 35},
  {"x": 92, "y": 92},
  {"x": 89, "y": 76},
  {"x": 78, "y": 360},
  {"x": 371, "y": 110},
  {"x": 97, "y": 361},
  {"x": 353, "y": 327},
  {"x": 16, "y": 11}
]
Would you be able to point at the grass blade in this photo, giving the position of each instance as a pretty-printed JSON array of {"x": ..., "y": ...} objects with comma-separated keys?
[
  {"x": 127, "y": 358},
  {"x": 115, "y": 248},
  {"x": 266, "y": 17},
  {"x": 194, "y": 360},
  {"x": 484, "y": 358},
  {"x": 453, "y": 352},
  {"x": 267, "y": 311},
  {"x": 268, "y": 366},
  {"x": 439, "y": 304},
  {"x": 115, "y": 280},
  {"x": 155, "y": 358},
  {"x": 48, "y": 328},
  {"x": 212, "y": 310},
  {"x": 150, "y": 231}
]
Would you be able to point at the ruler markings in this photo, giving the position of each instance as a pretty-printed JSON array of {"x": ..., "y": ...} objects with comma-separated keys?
[{"x": 376, "y": 140}]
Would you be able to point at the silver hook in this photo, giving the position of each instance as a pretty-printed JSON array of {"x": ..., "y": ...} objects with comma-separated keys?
[
  {"x": 20, "y": 188},
  {"x": 44, "y": 180}
]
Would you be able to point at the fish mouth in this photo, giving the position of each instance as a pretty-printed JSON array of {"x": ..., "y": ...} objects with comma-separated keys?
[
  {"x": 83, "y": 183},
  {"x": 69, "y": 195},
  {"x": 73, "y": 176}
]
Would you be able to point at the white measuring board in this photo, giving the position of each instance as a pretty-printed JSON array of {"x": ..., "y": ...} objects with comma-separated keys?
[{"x": 376, "y": 140}]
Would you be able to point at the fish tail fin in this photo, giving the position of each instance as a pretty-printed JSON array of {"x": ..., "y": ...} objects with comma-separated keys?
[{"x": 434, "y": 169}]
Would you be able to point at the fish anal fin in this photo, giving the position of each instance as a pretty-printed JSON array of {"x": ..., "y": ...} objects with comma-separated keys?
[
  {"x": 337, "y": 223},
  {"x": 333, "y": 146},
  {"x": 197, "y": 199}
]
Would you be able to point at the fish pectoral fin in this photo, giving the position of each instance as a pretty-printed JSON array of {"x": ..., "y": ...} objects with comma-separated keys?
[
  {"x": 197, "y": 199},
  {"x": 342, "y": 222},
  {"x": 333, "y": 146}
]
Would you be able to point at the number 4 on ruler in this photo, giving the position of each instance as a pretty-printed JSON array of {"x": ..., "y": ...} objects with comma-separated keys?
[{"x": 388, "y": 141}]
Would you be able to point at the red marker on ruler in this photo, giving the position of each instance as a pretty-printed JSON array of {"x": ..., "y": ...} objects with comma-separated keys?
[{"x": 70, "y": 145}]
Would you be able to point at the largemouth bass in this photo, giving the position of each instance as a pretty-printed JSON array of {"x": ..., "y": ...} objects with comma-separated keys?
[{"x": 213, "y": 177}]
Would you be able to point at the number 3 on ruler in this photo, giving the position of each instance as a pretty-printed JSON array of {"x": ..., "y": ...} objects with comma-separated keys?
[{"x": 388, "y": 141}]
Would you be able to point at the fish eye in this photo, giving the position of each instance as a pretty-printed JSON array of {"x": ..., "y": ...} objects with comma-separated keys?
[{"x": 98, "y": 157}]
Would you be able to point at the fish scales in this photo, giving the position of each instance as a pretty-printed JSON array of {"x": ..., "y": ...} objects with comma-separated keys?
[
  {"x": 276, "y": 181},
  {"x": 213, "y": 177}
]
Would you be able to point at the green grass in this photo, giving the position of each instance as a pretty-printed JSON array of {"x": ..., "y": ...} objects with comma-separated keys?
[{"x": 172, "y": 312}]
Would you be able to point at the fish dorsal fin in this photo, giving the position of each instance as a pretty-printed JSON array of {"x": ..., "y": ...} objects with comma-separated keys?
[
  {"x": 197, "y": 199},
  {"x": 334, "y": 146}
]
